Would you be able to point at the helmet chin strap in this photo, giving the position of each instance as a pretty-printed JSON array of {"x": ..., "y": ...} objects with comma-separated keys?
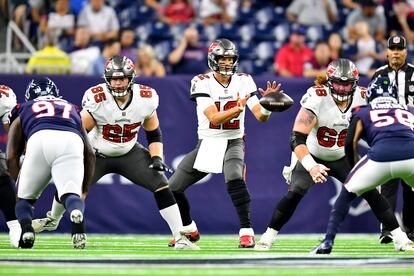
[{"x": 119, "y": 94}]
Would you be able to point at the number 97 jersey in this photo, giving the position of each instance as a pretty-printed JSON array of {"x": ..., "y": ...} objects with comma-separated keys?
[
  {"x": 116, "y": 128},
  {"x": 327, "y": 139}
]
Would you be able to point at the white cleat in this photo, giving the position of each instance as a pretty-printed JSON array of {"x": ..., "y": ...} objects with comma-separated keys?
[
  {"x": 265, "y": 243},
  {"x": 404, "y": 246},
  {"x": 183, "y": 243},
  {"x": 48, "y": 223},
  {"x": 79, "y": 240},
  {"x": 15, "y": 231}
]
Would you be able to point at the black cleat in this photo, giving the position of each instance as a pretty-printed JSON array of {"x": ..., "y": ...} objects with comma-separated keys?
[
  {"x": 325, "y": 247},
  {"x": 28, "y": 237},
  {"x": 385, "y": 237},
  {"x": 410, "y": 234}
]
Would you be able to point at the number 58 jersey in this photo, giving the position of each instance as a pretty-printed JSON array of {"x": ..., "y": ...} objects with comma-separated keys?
[
  {"x": 116, "y": 128},
  {"x": 327, "y": 139}
]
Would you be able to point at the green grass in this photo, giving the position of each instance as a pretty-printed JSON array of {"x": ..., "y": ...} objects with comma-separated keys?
[{"x": 219, "y": 255}]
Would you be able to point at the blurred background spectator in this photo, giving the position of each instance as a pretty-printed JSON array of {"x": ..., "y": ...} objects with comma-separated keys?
[
  {"x": 190, "y": 56},
  {"x": 335, "y": 45},
  {"x": 312, "y": 12},
  {"x": 147, "y": 63},
  {"x": 60, "y": 20},
  {"x": 319, "y": 62},
  {"x": 98, "y": 22},
  {"x": 111, "y": 48},
  {"x": 370, "y": 13},
  {"x": 176, "y": 12},
  {"x": 291, "y": 58},
  {"x": 218, "y": 11},
  {"x": 50, "y": 59},
  {"x": 128, "y": 44}
]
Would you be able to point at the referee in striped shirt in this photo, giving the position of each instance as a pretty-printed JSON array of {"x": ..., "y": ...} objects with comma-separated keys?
[{"x": 401, "y": 74}]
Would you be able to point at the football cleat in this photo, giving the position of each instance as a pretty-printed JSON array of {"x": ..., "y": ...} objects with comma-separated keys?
[
  {"x": 79, "y": 240},
  {"x": 385, "y": 237},
  {"x": 48, "y": 223},
  {"x": 27, "y": 239},
  {"x": 15, "y": 231},
  {"x": 404, "y": 246},
  {"x": 246, "y": 241},
  {"x": 265, "y": 243},
  {"x": 184, "y": 243},
  {"x": 246, "y": 238},
  {"x": 192, "y": 237},
  {"x": 325, "y": 247}
]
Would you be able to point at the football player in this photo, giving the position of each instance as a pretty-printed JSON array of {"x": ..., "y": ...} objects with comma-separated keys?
[
  {"x": 49, "y": 130},
  {"x": 113, "y": 112},
  {"x": 7, "y": 192},
  {"x": 317, "y": 142},
  {"x": 221, "y": 97},
  {"x": 383, "y": 124}
]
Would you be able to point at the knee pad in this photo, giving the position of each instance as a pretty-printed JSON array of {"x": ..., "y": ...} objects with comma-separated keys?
[{"x": 238, "y": 192}]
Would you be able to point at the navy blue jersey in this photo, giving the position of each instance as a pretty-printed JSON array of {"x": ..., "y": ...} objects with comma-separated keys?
[
  {"x": 47, "y": 113},
  {"x": 388, "y": 130}
]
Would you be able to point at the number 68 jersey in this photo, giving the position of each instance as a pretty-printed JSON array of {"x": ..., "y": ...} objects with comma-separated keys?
[
  {"x": 327, "y": 139},
  {"x": 116, "y": 128}
]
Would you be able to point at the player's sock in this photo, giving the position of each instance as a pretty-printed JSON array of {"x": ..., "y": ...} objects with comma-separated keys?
[
  {"x": 7, "y": 198},
  {"x": 24, "y": 213},
  {"x": 240, "y": 196},
  {"x": 57, "y": 208},
  {"x": 284, "y": 210},
  {"x": 339, "y": 212},
  {"x": 169, "y": 211},
  {"x": 73, "y": 202},
  {"x": 381, "y": 208},
  {"x": 184, "y": 207}
]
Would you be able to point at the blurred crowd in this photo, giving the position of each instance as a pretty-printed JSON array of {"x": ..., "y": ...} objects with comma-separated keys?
[{"x": 284, "y": 37}]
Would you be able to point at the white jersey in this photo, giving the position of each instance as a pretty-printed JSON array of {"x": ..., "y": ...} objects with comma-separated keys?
[
  {"x": 327, "y": 139},
  {"x": 116, "y": 128},
  {"x": 7, "y": 102},
  {"x": 224, "y": 97}
]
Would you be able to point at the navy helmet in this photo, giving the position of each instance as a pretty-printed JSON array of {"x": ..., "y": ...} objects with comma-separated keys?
[
  {"x": 39, "y": 87},
  {"x": 381, "y": 87}
]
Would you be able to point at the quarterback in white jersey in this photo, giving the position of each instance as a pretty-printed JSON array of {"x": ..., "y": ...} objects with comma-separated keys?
[
  {"x": 113, "y": 113},
  {"x": 7, "y": 192},
  {"x": 221, "y": 98},
  {"x": 207, "y": 91},
  {"x": 317, "y": 142}
]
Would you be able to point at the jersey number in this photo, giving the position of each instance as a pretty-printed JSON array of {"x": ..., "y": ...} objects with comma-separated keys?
[
  {"x": 117, "y": 134},
  {"x": 3, "y": 90},
  {"x": 47, "y": 109},
  {"x": 328, "y": 137},
  {"x": 232, "y": 124},
  {"x": 99, "y": 95},
  {"x": 381, "y": 118}
]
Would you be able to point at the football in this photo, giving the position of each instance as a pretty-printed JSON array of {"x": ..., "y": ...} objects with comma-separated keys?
[{"x": 276, "y": 102}]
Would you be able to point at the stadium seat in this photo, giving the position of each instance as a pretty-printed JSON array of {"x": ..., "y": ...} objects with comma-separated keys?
[
  {"x": 159, "y": 31},
  {"x": 247, "y": 32}
]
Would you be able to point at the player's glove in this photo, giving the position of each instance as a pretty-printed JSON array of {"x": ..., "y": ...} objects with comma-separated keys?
[{"x": 158, "y": 165}]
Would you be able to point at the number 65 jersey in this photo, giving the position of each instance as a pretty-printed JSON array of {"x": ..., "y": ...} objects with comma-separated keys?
[
  {"x": 116, "y": 128},
  {"x": 327, "y": 139}
]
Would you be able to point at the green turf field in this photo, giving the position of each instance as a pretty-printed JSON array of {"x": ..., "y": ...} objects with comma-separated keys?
[{"x": 219, "y": 255}]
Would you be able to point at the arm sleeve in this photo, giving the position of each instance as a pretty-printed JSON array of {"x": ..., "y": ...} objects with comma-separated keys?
[{"x": 199, "y": 88}]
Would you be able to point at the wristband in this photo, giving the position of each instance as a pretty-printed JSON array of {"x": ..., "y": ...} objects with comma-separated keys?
[
  {"x": 264, "y": 111},
  {"x": 308, "y": 162}
]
